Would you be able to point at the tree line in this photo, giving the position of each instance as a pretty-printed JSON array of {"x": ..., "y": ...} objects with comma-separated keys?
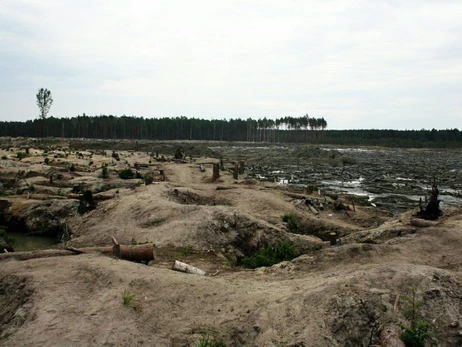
[{"x": 285, "y": 129}]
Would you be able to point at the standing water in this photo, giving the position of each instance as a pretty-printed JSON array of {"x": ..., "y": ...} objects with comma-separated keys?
[{"x": 23, "y": 242}]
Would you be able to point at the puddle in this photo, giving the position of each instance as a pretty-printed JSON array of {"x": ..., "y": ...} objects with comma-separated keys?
[{"x": 23, "y": 242}]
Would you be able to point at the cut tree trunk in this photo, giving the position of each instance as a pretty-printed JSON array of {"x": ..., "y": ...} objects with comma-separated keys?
[
  {"x": 236, "y": 171},
  {"x": 136, "y": 253},
  {"x": 216, "y": 172},
  {"x": 183, "y": 267}
]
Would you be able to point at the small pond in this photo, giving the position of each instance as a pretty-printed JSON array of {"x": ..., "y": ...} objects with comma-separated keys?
[{"x": 24, "y": 242}]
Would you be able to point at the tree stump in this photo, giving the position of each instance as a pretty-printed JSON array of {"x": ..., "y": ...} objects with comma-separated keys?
[
  {"x": 236, "y": 171},
  {"x": 241, "y": 167},
  {"x": 216, "y": 172},
  {"x": 432, "y": 210}
]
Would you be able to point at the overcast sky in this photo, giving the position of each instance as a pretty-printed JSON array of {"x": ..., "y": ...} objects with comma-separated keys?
[{"x": 359, "y": 64}]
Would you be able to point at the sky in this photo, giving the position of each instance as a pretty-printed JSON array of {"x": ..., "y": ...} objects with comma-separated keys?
[{"x": 359, "y": 64}]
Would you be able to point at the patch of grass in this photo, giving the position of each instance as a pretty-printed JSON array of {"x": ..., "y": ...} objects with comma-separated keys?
[
  {"x": 418, "y": 333},
  {"x": 104, "y": 171},
  {"x": 4, "y": 157},
  {"x": 133, "y": 242},
  {"x": 291, "y": 219},
  {"x": 126, "y": 174},
  {"x": 208, "y": 341},
  {"x": 186, "y": 251},
  {"x": 130, "y": 300},
  {"x": 270, "y": 255}
]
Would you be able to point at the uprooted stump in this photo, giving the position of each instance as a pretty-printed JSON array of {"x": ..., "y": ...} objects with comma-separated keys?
[
  {"x": 87, "y": 202},
  {"x": 432, "y": 210}
]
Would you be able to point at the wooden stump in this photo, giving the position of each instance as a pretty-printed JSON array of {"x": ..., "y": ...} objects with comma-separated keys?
[
  {"x": 216, "y": 172},
  {"x": 333, "y": 239},
  {"x": 236, "y": 171},
  {"x": 241, "y": 167}
]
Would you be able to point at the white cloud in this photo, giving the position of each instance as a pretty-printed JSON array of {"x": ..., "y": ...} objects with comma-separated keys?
[{"x": 355, "y": 63}]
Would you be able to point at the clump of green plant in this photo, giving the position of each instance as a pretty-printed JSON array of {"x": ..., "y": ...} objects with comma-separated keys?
[
  {"x": 186, "y": 251},
  {"x": 4, "y": 157},
  {"x": 130, "y": 300},
  {"x": 418, "y": 333},
  {"x": 21, "y": 155},
  {"x": 104, "y": 171},
  {"x": 270, "y": 255},
  {"x": 291, "y": 219},
  {"x": 133, "y": 242},
  {"x": 208, "y": 341},
  {"x": 126, "y": 174}
]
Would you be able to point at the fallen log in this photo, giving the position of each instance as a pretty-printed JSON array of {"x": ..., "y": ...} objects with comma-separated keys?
[
  {"x": 422, "y": 223},
  {"x": 226, "y": 187},
  {"x": 138, "y": 253},
  {"x": 183, "y": 267},
  {"x": 46, "y": 253},
  {"x": 331, "y": 195},
  {"x": 313, "y": 209},
  {"x": 99, "y": 197},
  {"x": 295, "y": 195}
]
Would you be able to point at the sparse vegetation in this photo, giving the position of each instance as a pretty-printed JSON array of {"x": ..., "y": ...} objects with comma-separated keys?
[
  {"x": 104, "y": 171},
  {"x": 270, "y": 255},
  {"x": 418, "y": 333},
  {"x": 21, "y": 155},
  {"x": 4, "y": 157},
  {"x": 130, "y": 300},
  {"x": 133, "y": 242},
  {"x": 186, "y": 251},
  {"x": 208, "y": 341},
  {"x": 291, "y": 219},
  {"x": 126, "y": 174}
]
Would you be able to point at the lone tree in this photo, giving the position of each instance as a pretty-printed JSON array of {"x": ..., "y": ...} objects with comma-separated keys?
[{"x": 44, "y": 102}]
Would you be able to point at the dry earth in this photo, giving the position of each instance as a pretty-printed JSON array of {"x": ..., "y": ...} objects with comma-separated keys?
[{"x": 342, "y": 295}]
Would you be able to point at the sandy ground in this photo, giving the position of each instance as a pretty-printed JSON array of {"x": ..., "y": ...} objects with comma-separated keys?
[{"x": 342, "y": 295}]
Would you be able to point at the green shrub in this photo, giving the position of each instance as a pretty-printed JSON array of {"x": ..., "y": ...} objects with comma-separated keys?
[
  {"x": 21, "y": 155},
  {"x": 291, "y": 219},
  {"x": 271, "y": 255},
  {"x": 130, "y": 300},
  {"x": 4, "y": 157},
  {"x": 186, "y": 251},
  {"x": 418, "y": 333},
  {"x": 208, "y": 341},
  {"x": 104, "y": 171},
  {"x": 126, "y": 174}
]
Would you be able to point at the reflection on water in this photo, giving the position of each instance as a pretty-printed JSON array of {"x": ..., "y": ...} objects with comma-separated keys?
[{"x": 23, "y": 242}]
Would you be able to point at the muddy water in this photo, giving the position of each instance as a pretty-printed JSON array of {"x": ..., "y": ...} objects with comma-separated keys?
[
  {"x": 23, "y": 242},
  {"x": 394, "y": 179}
]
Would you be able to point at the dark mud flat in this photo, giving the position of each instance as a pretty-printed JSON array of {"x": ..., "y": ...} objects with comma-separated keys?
[{"x": 394, "y": 179}]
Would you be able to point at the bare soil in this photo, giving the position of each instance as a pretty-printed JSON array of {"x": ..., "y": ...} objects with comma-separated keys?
[{"x": 341, "y": 295}]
